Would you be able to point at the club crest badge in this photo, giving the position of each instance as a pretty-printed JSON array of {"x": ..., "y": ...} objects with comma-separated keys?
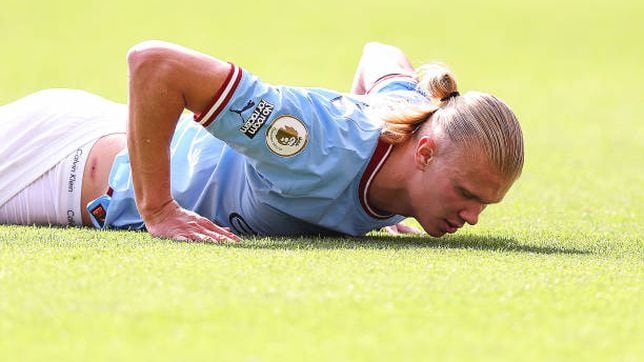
[{"x": 287, "y": 136}]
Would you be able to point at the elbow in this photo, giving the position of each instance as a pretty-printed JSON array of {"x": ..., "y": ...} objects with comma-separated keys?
[
  {"x": 371, "y": 46},
  {"x": 374, "y": 45},
  {"x": 147, "y": 56},
  {"x": 378, "y": 49}
]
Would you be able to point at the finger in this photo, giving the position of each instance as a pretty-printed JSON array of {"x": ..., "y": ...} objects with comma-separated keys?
[
  {"x": 218, "y": 230},
  {"x": 220, "y": 238},
  {"x": 232, "y": 234},
  {"x": 227, "y": 233},
  {"x": 408, "y": 229},
  {"x": 220, "y": 233},
  {"x": 213, "y": 233},
  {"x": 206, "y": 237},
  {"x": 392, "y": 230},
  {"x": 197, "y": 233},
  {"x": 234, "y": 237}
]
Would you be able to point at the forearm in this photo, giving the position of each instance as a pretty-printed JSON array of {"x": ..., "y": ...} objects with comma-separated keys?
[
  {"x": 154, "y": 108},
  {"x": 164, "y": 79},
  {"x": 377, "y": 61}
]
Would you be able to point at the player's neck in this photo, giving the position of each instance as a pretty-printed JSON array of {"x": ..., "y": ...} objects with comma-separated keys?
[{"x": 388, "y": 191}]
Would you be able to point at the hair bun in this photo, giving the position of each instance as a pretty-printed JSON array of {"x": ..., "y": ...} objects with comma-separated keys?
[{"x": 438, "y": 81}]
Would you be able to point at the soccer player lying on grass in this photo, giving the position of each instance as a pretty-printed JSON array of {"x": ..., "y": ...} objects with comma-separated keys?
[{"x": 257, "y": 158}]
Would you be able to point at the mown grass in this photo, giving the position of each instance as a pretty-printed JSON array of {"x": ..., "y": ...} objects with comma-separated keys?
[
  {"x": 552, "y": 273},
  {"x": 81, "y": 294}
]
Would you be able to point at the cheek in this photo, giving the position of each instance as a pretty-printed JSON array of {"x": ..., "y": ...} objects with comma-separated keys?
[
  {"x": 431, "y": 210},
  {"x": 446, "y": 198},
  {"x": 452, "y": 201},
  {"x": 432, "y": 201}
]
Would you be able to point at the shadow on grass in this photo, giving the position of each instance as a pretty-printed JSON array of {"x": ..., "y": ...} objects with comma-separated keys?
[
  {"x": 487, "y": 243},
  {"x": 377, "y": 241}
]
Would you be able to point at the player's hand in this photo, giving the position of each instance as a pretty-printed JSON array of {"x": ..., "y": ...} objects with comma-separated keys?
[
  {"x": 174, "y": 222},
  {"x": 401, "y": 228}
]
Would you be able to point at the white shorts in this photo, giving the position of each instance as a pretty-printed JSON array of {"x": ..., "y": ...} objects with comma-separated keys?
[
  {"x": 54, "y": 198},
  {"x": 45, "y": 139}
]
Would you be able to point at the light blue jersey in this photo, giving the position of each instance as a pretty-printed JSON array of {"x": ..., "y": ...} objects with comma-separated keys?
[{"x": 273, "y": 160}]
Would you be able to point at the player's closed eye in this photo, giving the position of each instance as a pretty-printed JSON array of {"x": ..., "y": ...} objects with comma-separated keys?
[{"x": 466, "y": 194}]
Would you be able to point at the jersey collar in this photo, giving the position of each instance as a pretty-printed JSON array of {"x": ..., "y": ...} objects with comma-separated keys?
[{"x": 375, "y": 164}]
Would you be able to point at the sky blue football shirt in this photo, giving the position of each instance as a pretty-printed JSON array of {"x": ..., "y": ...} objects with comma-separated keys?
[{"x": 274, "y": 160}]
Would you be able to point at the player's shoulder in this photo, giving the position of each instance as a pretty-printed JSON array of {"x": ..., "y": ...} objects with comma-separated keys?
[{"x": 394, "y": 82}]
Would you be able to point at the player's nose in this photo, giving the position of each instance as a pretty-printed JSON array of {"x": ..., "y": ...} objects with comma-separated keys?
[{"x": 471, "y": 213}]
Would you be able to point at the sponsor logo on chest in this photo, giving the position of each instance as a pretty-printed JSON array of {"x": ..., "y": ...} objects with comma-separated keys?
[{"x": 257, "y": 119}]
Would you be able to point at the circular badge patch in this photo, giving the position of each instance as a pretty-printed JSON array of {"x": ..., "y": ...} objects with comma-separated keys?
[{"x": 286, "y": 136}]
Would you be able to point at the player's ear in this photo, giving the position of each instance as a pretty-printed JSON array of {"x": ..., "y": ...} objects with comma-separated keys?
[{"x": 425, "y": 152}]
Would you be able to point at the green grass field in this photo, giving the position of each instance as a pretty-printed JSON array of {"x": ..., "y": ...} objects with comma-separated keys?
[{"x": 554, "y": 273}]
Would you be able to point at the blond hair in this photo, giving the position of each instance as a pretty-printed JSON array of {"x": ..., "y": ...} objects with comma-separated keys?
[{"x": 473, "y": 118}]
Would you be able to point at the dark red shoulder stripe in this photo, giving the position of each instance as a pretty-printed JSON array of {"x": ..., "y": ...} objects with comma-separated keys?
[{"x": 221, "y": 98}]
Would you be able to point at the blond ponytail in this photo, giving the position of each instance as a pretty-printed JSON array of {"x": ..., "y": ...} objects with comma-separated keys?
[
  {"x": 473, "y": 119},
  {"x": 435, "y": 81},
  {"x": 438, "y": 81}
]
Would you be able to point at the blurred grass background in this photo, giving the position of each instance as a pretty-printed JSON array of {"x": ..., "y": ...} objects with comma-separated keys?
[
  {"x": 553, "y": 273},
  {"x": 570, "y": 69}
]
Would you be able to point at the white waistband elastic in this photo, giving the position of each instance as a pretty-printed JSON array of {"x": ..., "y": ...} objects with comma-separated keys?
[{"x": 72, "y": 184}]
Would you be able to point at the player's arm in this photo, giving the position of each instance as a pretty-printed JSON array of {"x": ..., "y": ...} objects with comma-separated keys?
[
  {"x": 165, "y": 79},
  {"x": 379, "y": 61}
]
